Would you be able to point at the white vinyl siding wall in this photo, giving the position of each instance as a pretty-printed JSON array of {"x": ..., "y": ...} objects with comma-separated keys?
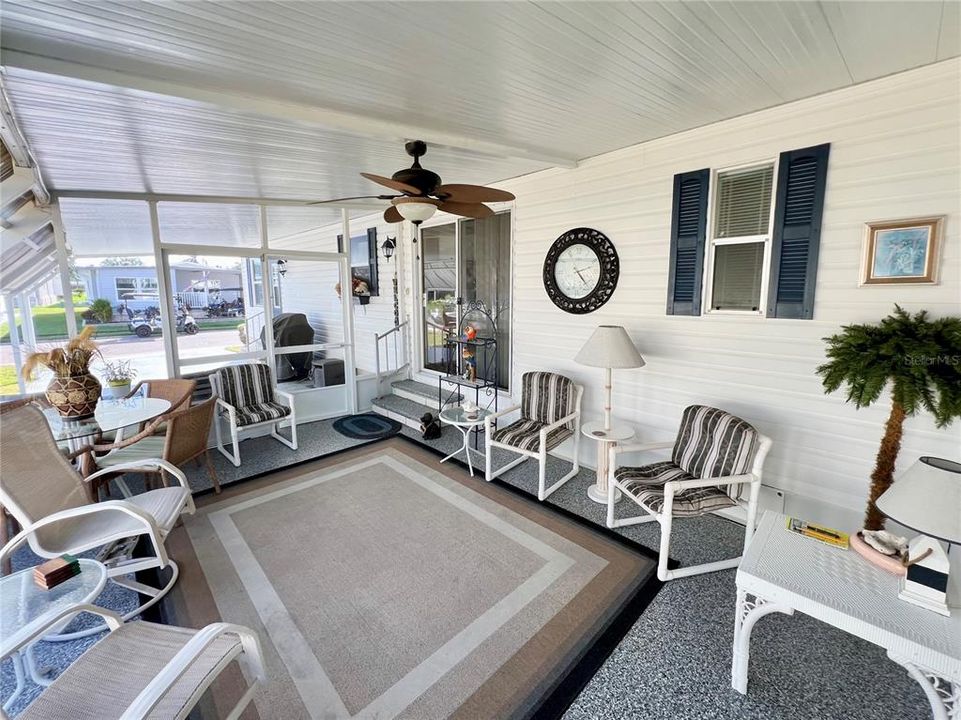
[{"x": 894, "y": 154}]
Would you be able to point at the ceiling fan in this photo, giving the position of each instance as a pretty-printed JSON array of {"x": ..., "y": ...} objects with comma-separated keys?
[{"x": 421, "y": 193}]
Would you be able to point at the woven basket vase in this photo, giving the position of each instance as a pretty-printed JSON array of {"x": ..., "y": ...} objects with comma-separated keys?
[{"x": 74, "y": 397}]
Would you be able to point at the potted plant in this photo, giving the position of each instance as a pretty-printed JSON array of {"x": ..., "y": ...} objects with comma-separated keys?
[
  {"x": 73, "y": 391},
  {"x": 118, "y": 375},
  {"x": 918, "y": 358}
]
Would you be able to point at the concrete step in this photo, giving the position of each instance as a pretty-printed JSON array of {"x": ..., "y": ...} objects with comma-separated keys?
[
  {"x": 421, "y": 393},
  {"x": 406, "y": 412}
]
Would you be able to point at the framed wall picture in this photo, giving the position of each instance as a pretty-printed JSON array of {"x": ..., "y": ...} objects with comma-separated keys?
[
  {"x": 363, "y": 258},
  {"x": 902, "y": 251}
]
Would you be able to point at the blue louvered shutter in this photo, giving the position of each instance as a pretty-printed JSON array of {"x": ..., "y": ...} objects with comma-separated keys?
[
  {"x": 802, "y": 176},
  {"x": 688, "y": 231}
]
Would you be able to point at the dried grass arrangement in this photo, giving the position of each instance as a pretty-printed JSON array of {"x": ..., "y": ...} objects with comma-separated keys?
[
  {"x": 68, "y": 361},
  {"x": 73, "y": 391}
]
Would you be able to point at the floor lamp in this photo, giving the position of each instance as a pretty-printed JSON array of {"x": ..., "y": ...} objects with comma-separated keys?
[{"x": 610, "y": 347}]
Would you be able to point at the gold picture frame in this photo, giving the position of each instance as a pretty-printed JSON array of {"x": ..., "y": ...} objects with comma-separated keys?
[{"x": 899, "y": 252}]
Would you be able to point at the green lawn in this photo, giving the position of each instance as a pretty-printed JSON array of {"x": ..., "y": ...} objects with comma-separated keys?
[
  {"x": 50, "y": 322},
  {"x": 8, "y": 380}
]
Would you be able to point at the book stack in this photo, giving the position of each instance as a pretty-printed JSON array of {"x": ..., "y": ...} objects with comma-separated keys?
[
  {"x": 53, "y": 572},
  {"x": 818, "y": 532}
]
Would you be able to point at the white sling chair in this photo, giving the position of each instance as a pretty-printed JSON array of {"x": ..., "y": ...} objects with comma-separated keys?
[
  {"x": 714, "y": 456},
  {"x": 143, "y": 669},
  {"x": 47, "y": 497},
  {"x": 247, "y": 398},
  {"x": 550, "y": 414}
]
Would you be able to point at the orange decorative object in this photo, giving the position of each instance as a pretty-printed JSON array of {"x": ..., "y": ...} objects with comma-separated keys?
[{"x": 470, "y": 332}]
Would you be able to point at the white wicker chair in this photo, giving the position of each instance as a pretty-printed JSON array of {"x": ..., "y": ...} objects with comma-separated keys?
[
  {"x": 165, "y": 670},
  {"x": 714, "y": 456},
  {"x": 550, "y": 414},
  {"x": 247, "y": 399},
  {"x": 47, "y": 497}
]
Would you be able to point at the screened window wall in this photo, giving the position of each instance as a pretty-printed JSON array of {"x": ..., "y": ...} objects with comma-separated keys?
[{"x": 215, "y": 284}]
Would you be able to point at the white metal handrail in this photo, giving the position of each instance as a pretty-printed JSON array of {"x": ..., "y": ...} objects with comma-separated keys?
[{"x": 396, "y": 337}]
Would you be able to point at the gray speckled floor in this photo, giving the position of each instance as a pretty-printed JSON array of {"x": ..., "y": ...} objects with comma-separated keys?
[{"x": 675, "y": 661}]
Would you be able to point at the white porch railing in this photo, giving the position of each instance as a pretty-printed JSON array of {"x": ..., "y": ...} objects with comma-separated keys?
[{"x": 392, "y": 346}]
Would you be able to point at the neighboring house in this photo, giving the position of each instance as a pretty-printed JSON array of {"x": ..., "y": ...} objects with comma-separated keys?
[{"x": 136, "y": 285}]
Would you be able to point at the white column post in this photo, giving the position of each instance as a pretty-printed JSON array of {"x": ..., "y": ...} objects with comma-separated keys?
[
  {"x": 60, "y": 242},
  {"x": 29, "y": 331},
  {"x": 266, "y": 279},
  {"x": 347, "y": 300},
  {"x": 15, "y": 342},
  {"x": 168, "y": 314}
]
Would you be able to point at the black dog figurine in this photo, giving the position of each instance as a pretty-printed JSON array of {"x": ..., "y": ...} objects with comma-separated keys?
[{"x": 430, "y": 426}]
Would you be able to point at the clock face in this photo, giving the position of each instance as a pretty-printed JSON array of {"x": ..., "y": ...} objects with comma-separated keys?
[
  {"x": 580, "y": 270},
  {"x": 577, "y": 271}
]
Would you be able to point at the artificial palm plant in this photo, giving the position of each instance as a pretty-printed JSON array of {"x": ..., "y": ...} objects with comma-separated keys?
[{"x": 919, "y": 358}]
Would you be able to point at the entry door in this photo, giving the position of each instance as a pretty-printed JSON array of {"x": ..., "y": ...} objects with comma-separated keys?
[{"x": 463, "y": 262}]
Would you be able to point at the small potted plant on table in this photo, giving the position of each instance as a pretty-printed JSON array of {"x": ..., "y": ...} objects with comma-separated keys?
[
  {"x": 118, "y": 375},
  {"x": 73, "y": 391}
]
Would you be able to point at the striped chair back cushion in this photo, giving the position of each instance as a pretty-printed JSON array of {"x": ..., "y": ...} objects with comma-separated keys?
[
  {"x": 713, "y": 443},
  {"x": 243, "y": 385},
  {"x": 546, "y": 397}
]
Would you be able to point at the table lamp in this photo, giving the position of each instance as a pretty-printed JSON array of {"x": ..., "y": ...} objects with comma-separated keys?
[
  {"x": 609, "y": 347},
  {"x": 927, "y": 499}
]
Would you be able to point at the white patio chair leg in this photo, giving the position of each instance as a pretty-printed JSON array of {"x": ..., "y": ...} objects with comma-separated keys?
[
  {"x": 275, "y": 434},
  {"x": 487, "y": 458},
  {"x": 235, "y": 445},
  {"x": 665, "y": 518},
  {"x": 155, "y": 595},
  {"x": 542, "y": 473},
  {"x": 611, "y": 494}
]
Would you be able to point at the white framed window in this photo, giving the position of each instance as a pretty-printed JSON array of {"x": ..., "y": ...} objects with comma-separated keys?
[
  {"x": 739, "y": 238},
  {"x": 125, "y": 286}
]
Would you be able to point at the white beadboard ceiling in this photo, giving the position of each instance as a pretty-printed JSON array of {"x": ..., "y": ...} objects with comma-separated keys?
[{"x": 292, "y": 99}]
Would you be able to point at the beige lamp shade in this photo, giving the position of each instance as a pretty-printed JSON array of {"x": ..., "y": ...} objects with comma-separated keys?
[
  {"x": 927, "y": 499},
  {"x": 610, "y": 347}
]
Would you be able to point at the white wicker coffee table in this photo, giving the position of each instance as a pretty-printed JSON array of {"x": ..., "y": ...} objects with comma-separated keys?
[{"x": 783, "y": 572}]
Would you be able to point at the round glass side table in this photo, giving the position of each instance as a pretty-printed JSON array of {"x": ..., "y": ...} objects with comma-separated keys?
[{"x": 458, "y": 418}]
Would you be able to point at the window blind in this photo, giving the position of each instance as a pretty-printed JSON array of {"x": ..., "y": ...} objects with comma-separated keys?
[
  {"x": 737, "y": 276},
  {"x": 743, "y": 202}
]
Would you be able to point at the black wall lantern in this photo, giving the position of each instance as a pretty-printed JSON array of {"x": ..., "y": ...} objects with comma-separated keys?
[
  {"x": 388, "y": 247},
  {"x": 282, "y": 267}
]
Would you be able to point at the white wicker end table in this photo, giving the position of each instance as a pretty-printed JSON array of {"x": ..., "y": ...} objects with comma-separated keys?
[
  {"x": 458, "y": 418},
  {"x": 785, "y": 572}
]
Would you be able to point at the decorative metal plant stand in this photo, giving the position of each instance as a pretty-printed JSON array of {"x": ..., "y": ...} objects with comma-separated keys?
[{"x": 471, "y": 363}]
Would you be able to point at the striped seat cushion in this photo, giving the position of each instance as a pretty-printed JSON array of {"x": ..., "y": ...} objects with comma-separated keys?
[
  {"x": 245, "y": 385},
  {"x": 261, "y": 412},
  {"x": 149, "y": 448},
  {"x": 713, "y": 443},
  {"x": 525, "y": 434},
  {"x": 547, "y": 397},
  {"x": 646, "y": 486}
]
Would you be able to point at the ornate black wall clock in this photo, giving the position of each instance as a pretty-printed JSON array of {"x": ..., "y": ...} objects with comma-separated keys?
[{"x": 580, "y": 270}]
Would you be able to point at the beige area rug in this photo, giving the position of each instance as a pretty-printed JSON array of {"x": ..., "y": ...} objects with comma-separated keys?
[{"x": 384, "y": 585}]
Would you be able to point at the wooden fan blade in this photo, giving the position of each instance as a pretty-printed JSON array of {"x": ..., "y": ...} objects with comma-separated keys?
[
  {"x": 473, "y": 193},
  {"x": 471, "y": 210},
  {"x": 357, "y": 197},
  {"x": 392, "y": 184},
  {"x": 392, "y": 216}
]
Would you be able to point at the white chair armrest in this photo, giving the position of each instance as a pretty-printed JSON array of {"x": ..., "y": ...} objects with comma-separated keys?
[
  {"x": 286, "y": 396},
  {"x": 499, "y": 413},
  {"x": 122, "y": 506},
  {"x": 557, "y": 423},
  {"x": 112, "y": 619},
  {"x": 145, "y": 462},
  {"x": 711, "y": 482},
  {"x": 227, "y": 406},
  {"x": 181, "y": 662}
]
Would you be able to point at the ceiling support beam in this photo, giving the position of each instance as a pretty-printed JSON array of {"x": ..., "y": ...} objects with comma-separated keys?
[
  {"x": 17, "y": 145},
  {"x": 346, "y": 122}
]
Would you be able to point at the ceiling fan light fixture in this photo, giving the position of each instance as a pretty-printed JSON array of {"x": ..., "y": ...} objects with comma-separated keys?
[{"x": 416, "y": 209}]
